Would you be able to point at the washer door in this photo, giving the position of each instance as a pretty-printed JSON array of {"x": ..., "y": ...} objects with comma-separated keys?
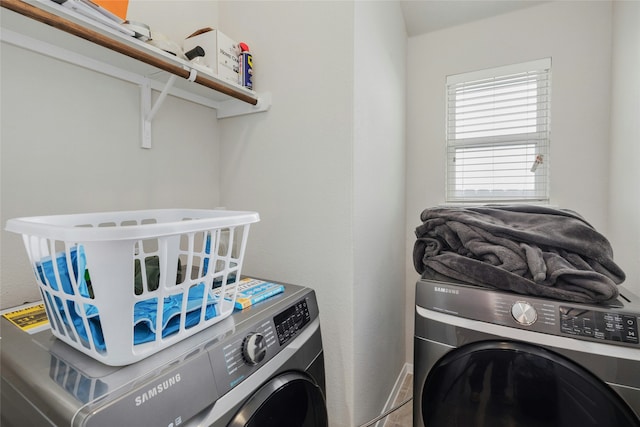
[
  {"x": 291, "y": 399},
  {"x": 504, "y": 383}
]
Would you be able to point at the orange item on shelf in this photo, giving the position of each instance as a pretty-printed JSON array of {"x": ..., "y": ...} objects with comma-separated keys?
[{"x": 117, "y": 7}]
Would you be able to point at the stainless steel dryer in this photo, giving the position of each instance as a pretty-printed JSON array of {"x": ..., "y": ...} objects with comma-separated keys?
[
  {"x": 262, "y": 366},
  {"x": 489, "y": 358}
]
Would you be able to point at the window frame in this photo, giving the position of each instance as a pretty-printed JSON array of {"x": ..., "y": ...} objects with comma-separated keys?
[{"x": 534, "y": 133}]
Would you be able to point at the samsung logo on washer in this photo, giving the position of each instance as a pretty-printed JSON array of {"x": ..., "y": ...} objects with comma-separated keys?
[
  {"x": 446, "y": 290},
  {"x": 159, "y": 388}
]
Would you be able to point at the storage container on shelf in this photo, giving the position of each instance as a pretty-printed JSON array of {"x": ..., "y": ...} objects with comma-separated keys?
[{"x": 121, "y": 286}]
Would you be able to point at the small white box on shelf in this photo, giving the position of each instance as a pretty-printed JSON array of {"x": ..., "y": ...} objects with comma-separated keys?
[{"x": 220, "y": 52}]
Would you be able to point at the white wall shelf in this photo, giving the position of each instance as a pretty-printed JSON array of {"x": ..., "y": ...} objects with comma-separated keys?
[{"x": 50, "y": 29}]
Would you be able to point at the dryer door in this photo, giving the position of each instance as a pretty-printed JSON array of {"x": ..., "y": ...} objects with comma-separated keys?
[
  {"x": 291, "y": 399},
  {"x": 506, "y": 383}
]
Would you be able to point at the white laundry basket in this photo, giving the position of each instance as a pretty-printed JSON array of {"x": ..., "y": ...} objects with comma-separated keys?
[{"x": 121, "y": 286}]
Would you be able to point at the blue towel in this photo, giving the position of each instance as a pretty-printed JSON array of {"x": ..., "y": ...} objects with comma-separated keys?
[
  {"x": 45, "y": 269},
  {"x": 145, "y": 312},
  {"x": 78, "y": 263}
]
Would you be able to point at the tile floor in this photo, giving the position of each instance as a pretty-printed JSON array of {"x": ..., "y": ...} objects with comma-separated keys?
[{"x": 403, "y": 417}]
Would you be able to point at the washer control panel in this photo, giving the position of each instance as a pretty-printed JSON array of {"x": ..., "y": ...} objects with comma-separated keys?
[
  {"x": 290, "y": 321},
  {"x": 241, "y": 355},
  {"x": 256, "y": 343},
  {"x": 608, "y": 326}
]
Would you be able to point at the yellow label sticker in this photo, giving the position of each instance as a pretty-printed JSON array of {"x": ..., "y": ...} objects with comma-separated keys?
[{"x": 28, "y": 318}]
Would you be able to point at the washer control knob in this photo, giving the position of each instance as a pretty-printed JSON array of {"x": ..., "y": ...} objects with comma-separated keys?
[
  {"x": 524, "y": 313},
  {"x": 254, "y": 348}
]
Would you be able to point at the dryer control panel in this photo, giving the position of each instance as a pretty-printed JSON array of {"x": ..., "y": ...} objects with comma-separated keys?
[
  {"x": 613, "y": 324},
  {"x": 609, "y": 326}
]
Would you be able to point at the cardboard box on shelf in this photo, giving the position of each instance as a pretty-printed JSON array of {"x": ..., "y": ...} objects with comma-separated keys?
[{"x": 220, "y": 52}]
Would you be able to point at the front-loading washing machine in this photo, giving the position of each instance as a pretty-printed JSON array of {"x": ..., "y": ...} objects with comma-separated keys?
[
  {"x": 262, "y": 366},
  {"x": 483, "y": 357}
]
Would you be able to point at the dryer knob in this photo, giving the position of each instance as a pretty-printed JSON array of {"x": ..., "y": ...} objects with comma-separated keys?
[
  {"x": 254, "y": 348},
  {"x": 524, "y": 313}
]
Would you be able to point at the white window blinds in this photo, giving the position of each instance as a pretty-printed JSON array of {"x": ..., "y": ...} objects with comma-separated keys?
[{"x": 498, "y": 134}]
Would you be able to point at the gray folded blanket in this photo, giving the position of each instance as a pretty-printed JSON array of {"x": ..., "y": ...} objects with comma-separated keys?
[{"x": 532, "y": 250}]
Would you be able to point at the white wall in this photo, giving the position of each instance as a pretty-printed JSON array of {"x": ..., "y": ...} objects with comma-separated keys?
[
  {"x": 379, "y": 203},
  {"x": 324, "y": 167},
  {"x": 577, "y": 35},
  {"x": 624, "y": 213},
  {"x": 293, "y": 164}
]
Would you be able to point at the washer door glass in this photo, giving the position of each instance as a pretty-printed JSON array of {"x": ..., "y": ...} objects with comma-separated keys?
[
  {"x": 502, "y": 383},
  {"x": 292, "y": 399}
]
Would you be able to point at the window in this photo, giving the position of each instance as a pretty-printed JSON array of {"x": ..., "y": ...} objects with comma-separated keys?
[{"x": 498, "y": 134}]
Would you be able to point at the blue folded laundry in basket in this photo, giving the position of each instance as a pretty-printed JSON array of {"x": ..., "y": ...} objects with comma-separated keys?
[
  {"x": 145, "y": 314},
  {"x": 46, "y": 272},
  {"x": 145, "y": 311}
]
